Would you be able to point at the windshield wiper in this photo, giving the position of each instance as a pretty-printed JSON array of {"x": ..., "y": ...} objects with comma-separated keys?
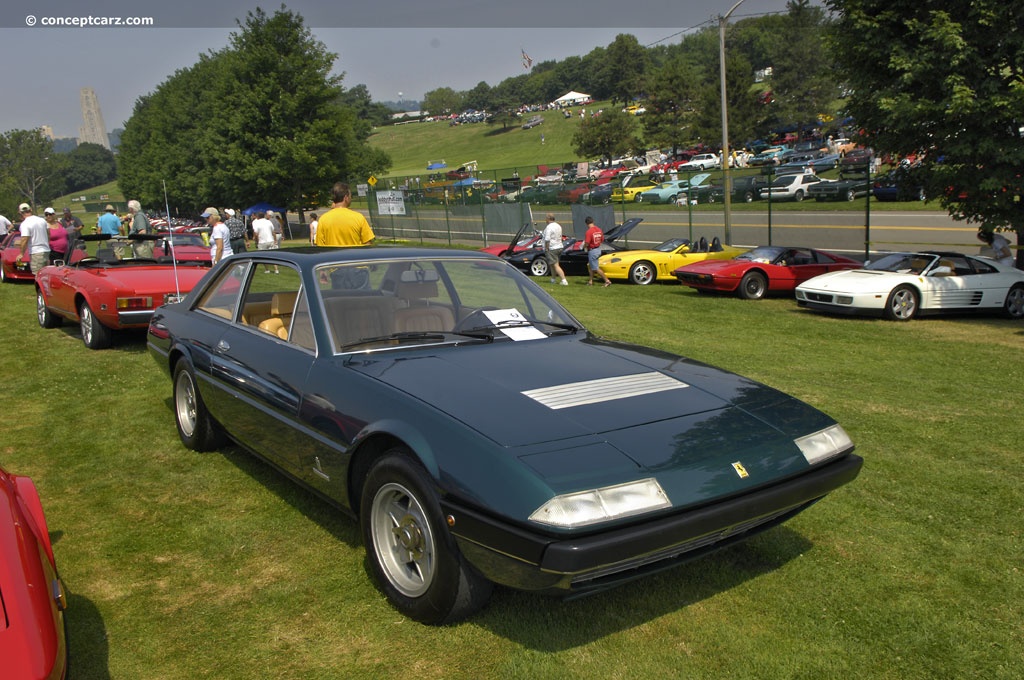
[{"x": 416, "y": 335}]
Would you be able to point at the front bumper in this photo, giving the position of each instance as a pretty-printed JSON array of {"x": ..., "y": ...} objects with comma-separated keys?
[{"x": 529, "y": 560}]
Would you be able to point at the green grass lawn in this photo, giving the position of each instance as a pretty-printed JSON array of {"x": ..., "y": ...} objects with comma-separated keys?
[{"x": 185, "y": 565}]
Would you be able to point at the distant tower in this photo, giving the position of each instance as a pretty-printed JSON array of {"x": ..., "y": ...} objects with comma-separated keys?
[{"x": 93, "y": 130}]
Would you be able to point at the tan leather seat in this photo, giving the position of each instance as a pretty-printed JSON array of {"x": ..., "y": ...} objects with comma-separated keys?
[
  {"x": 432, "y": 318},
  {"x": 274, "y": 326}
]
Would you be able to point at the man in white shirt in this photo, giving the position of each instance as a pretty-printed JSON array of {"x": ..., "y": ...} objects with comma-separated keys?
[
  {"x": 5, "y": 225},
  {"x": 35, "y": 239},
  {"x": 264, "y": 234},
  {"x": 552, "y": 237}
]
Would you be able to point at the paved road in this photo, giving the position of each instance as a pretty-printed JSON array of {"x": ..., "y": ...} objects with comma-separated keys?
[{"x": 840, "y": 231}]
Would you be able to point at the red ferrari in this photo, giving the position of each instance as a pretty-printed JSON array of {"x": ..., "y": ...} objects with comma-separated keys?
[
  {"x": 763, "y": 270},
  {"x": 187, "y": 248},
  {"x": 110, "y": 291},
  {"x": 10, "y": 268},
  {"x": 32, "y": 598}
]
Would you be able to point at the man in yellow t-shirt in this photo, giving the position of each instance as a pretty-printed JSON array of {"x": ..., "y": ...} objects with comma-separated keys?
[{"x": 342, "y": 226}]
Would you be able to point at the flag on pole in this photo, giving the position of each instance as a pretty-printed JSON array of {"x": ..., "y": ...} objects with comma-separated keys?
[{"x": 527, "y": 62}]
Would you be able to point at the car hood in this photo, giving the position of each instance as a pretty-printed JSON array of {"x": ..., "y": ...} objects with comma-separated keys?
[
  {"x": 857, "y": 280},
  {"x": 569, "y": 404},
  {"x": 717, "y": 266}
]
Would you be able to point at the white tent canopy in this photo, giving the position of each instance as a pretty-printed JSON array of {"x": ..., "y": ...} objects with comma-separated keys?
[{"x": 572, "y": 98}]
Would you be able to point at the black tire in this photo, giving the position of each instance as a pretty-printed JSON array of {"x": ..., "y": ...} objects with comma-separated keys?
[
  {"x": 539, "y": 266},
  {"x": 850, "y": 194},
  {"x": 196, "y": 427},
  {"x": 47, "y": 319},
  {"x": 3, "y": 275},
  {"x": 637, "y": 199},
  {"x": 94, "y": 334},
  {"x": 643, "y": 273},
  {"x": 753, "y": 286},
  {"x": 1014, "y": 305},
  {"x": 711, "y": 198},
  {"x": 902, "y": 304},
  {"x": 411, "y": 554},
  {"x": 748, "y": 197},
  {"x": 799, "y": 195}
]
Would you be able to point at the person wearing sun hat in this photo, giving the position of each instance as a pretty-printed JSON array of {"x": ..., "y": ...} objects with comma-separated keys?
[
  {"x": 109, "y": 222},
  {"x": 35, "y": 239},
  {"x": 220, "y": 235}
]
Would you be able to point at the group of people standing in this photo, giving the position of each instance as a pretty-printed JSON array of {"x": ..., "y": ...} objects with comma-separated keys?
[
  {"x": 44, "y": 239},
  {"x": 553, "y": 245}
]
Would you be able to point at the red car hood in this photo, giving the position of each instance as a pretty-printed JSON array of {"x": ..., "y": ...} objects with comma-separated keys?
[
  {"x": 717, "y": 266},
  {"x": 157, "y": 279}
]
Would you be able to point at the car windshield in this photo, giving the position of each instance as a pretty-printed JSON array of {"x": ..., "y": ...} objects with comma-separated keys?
[
  {"x": 671, "y": 244},
  {"x": 762, "y": 254},
  {"x": 396, "y": 304},
  {"x": 903, "y": 263}
]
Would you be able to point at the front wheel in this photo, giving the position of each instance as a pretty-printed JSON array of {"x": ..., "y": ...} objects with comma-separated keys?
[
  {"x": 642, "y": 273},
  {"x": 748, "y": 197},
  {"x": 412, "y": 555},
  {"x": 47, "y": 319},
  {"x": 799, "y": 196},
  {"x": 850, "y": 194},
  {"x": 1014, "y": 305},
  {"x": 902, "y": 304},
  {"x": 196, "y": 427},
  {"x": 94, "y": 334},
  {"x": 753, "y": 286},
  {"x": 539, "y": 266}
]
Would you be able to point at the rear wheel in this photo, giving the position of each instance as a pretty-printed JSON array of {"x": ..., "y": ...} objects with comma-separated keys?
[
  {"x": 753, "y": 286},
  {"x": 1014, "y": 305},
  {"x": 642, "y": 273},
  {"x": 799, "y": 195},
  {"x": 539, "y": 266},
  {"x": 748, "y": 197},
  {"x": 94, "y": 334},
  {"x": 46, "y": 318},
  {"x": 850, "y": 194},
  {"x": 412, "y": 555},
  {"x": 902, "y": 304},
  {"x": 196, "y": 427}
]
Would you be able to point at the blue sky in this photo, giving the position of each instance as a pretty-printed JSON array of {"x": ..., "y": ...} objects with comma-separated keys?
[{"x": 402, "y": 46}]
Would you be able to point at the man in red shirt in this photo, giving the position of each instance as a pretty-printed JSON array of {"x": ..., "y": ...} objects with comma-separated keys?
[{"x": 593, "y": 240}]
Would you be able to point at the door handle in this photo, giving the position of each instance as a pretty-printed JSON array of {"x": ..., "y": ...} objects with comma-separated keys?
[{"x": 223, "y": 346}]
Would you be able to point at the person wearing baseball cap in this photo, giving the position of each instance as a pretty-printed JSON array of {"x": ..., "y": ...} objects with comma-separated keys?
[
  {"x": 72, "y": 225},
  {"x": 35, "y": 239},
  {"x": 220, "y": 236}
]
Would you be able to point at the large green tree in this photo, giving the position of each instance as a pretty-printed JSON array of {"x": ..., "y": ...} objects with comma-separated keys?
[
  {"x": 945, "y": 82},
  {"x": 442, "y": 101},
  {"x": 263, "y": 119},
  {"x": 88, "y": 165},
  {"x": 610, "y": 134},
  {"x": 803, "y": 83},
  {"x": 30, "y": 171}
]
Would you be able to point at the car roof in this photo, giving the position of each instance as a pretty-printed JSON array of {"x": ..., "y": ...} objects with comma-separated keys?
[{"x": 311, "y": 256}]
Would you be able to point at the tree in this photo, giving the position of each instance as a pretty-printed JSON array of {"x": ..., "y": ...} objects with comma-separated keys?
[
  {"x": 946, "y": 84},
  {"x": 671, "y": 104},
  {"x": 624, "y": 69},
  {"x": 610, "y": 134},
  {"x": 89, "y": 165},
  {"x": 29, "y": 167},
  {"x": 261, "y": 119},
  {"x": 442, "y": 101},
  {"x": 803, "y": 84}
]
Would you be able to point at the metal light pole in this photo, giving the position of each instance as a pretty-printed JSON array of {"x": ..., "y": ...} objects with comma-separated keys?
[{"x": 726, "y": 177}]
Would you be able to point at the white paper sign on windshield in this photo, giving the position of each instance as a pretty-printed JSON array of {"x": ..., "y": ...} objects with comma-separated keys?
[{"x": 513, "y": 324}]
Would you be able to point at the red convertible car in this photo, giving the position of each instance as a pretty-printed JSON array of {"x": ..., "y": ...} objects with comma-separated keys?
[
  {"x": 111, "y": 290},
  {"x": 10, "y": 268},
  {"x": 186, "y": 247},
  {"x": 32, "y": 598},
  {"x": 763, "y": 270}
]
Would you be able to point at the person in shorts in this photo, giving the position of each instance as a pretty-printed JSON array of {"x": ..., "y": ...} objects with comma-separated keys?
[
  {"x": 592, "y": 240},
  {"x": 552, "y": 238}
]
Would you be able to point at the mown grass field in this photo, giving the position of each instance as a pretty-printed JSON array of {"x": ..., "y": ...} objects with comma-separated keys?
[{"x": 183, "y": 565}]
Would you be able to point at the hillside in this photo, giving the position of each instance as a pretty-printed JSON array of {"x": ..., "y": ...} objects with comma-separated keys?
[{"x": 413, "y": 145}]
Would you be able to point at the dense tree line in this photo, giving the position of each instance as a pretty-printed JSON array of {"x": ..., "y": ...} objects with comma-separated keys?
[
  {"x": 262, "y": 119},
  {"x": 679, "y": 83}
]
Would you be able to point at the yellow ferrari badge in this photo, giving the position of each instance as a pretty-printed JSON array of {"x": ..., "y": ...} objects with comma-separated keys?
[{"x": 740, "y": 470}]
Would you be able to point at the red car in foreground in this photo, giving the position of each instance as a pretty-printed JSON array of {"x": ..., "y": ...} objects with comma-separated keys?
[
  {"x": 10, "y": 268},
  {"x": 32, "y": 599},
  {"x": 763, "y": 270},
  {"x": 112, "y": 290}
]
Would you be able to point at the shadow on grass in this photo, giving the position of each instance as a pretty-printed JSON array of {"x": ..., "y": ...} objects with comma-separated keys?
[
  {"x": 529, "y": 619},
  {"x": 499, "y": 131},
  {"x": 88, "y": 646},
  {"x": 131, "y": 341}
]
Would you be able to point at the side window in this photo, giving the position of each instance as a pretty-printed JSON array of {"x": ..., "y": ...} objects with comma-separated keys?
[
  {"x": 270, "y": 302},
  {"x": 221, "y": 299}
]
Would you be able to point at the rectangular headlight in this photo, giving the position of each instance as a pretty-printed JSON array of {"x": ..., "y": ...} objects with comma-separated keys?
[
  {"x": 601, "y": 505},
  {"x": 825, "y": 444}
]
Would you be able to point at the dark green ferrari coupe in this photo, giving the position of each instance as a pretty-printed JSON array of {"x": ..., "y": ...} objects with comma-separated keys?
[{"x": 476, "y": 430}]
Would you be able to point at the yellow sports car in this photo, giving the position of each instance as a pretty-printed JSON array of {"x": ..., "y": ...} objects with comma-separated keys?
[
  {"x": 646, "y": 266},
  {"x": 632, "y": 191}
]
